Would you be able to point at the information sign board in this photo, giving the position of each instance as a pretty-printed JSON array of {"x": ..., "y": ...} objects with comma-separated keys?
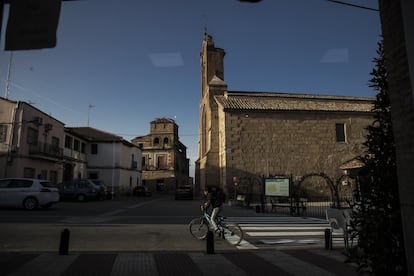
[{"x": 277, "y": 187}]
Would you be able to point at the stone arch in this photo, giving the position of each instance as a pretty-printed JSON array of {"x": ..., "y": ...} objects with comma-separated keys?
[{"x": 326, "y": 187}]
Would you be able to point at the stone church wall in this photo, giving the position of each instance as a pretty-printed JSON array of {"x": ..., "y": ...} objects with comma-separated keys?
[{"x": 288, "y": 143}]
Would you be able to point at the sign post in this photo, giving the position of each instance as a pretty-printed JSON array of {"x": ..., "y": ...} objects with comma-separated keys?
[{"x": 235, "y": 187}]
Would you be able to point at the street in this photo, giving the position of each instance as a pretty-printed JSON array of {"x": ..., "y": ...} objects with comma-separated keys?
[{"x": 147, "y": 224}]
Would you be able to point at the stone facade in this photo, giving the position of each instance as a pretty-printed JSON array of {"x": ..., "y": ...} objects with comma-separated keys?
[
  {"x": 164, "y": 164},
  {"x": 250, "y": 135},
  {"x": 398, "y": 32}
]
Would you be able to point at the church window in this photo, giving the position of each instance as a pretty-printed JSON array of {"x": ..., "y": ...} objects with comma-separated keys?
[
  {"x": 165, "y": 140},
  {"x": 156, "y": 141},
  {"x": 340, "y": 132},
  {"x": 203, "y": 131}
]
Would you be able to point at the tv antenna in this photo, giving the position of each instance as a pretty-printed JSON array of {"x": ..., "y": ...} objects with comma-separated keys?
[{"x": 89, "y": 111}]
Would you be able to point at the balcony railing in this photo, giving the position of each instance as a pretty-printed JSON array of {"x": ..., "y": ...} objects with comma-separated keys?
[{"x": 46, "y": 150}]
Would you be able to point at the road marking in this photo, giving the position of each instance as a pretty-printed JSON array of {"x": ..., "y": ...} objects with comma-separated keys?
[
  {"x": 275, "y": 228},
  {"x": 308, "y": 241},
  {"x": 300, "y": 241},
  {"x": 105, "y": 217},
  {"x": 277, "y": 241},
  {"x": 143, "y": 203},
  {"x": 112, "y": 213},
  {"x": 284, "y": 234},
  {"x": 246, "y": 245},
  {"x": 115, "y": 212},
  {"x": 85, "y": 220},
  {"x": 284, "y": 225}
]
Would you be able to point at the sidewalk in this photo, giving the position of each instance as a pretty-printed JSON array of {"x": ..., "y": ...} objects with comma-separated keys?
[{"x": 276, "y": 262}]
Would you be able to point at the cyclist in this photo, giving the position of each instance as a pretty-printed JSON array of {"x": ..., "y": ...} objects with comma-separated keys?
[{"x": 215, "y": 199}]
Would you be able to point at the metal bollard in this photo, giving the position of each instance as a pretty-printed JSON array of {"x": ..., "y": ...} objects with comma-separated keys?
[
  {"x": 64, "y": 242},
  {"x": 328, "y": 239},
  {"x": 210, "y": 242}
]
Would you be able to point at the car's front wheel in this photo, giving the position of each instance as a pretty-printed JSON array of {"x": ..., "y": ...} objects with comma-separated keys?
[{"x": 30, "y": 203}]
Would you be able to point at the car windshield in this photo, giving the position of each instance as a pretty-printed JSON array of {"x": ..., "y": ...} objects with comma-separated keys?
[
  {"x": 47, "y": 184},
  {"x": 98, "y": 182}
]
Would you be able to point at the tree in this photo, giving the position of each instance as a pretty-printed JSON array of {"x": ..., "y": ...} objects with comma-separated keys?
[{"x": 376, "y": 217}]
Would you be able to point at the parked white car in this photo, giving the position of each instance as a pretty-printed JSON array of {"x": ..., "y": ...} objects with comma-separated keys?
[{"x": 27, "y": 193}]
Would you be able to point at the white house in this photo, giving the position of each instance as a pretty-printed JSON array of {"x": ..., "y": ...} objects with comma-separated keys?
[
  {"x": 75, "y": 156},
  {"x": 110, "y": 158}
]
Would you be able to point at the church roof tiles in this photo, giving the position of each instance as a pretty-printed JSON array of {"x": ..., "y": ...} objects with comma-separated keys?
[{"x": 235, "y": 100}]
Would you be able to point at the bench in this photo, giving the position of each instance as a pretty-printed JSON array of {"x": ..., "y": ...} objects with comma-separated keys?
[{"x": 298, "y": 207}]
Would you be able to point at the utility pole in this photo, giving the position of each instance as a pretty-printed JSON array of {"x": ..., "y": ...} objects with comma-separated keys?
[{"x": 8, "y": 81}]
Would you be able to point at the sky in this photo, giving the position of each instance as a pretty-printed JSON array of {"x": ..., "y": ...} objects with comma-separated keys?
[{"x": 120, "y": 64}]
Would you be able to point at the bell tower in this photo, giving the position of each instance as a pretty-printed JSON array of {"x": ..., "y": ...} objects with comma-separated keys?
[
  {"x": 212, "y": 84},
  {"x": 212, "y": 62}
]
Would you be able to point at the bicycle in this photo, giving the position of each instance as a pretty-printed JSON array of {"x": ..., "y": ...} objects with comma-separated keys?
[{"x": 231, "y": 232}]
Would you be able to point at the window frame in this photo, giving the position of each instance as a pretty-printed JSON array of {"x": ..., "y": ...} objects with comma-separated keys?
[
  {"x": 340, "y": 133},
  {"x": 3, "y": 133},
  {"x": 94, "y": 148},
  {"x": 32, "y": 137},
  {"x": 68, "y": 142},
  {"x": 76, "y": 145}
]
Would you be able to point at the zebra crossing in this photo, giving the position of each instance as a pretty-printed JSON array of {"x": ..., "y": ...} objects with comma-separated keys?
[{"x": 273, "y": 231}]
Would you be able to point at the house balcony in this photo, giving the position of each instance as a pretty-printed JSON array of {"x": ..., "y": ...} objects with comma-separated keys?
[{"x": 45, "y": 149}]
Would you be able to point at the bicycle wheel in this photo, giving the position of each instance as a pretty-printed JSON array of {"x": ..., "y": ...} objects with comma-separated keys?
[
  {"x": 198, "y": 228},
  {"x": 232, "y": 233}
]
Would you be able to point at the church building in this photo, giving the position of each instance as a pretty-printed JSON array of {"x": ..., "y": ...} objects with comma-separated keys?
[
  {"x": 165, "y": 165},
  {"x": 245, "y": 136}
]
